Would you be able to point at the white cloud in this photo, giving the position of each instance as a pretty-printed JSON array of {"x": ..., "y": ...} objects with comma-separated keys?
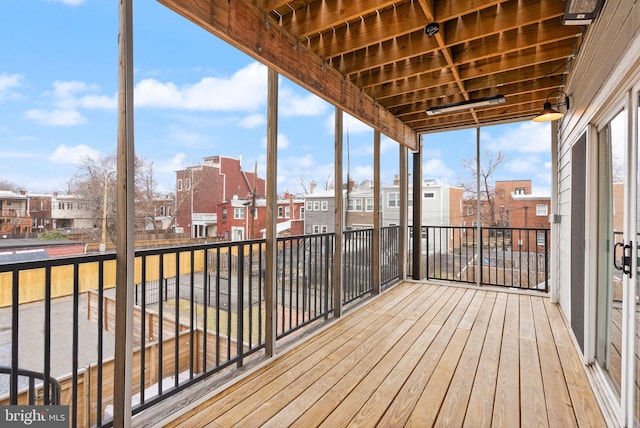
[
  {"x": 292, "y": 104},
  {"x": 524, "y": 165},
  {"x": 252, "y": 121},
  {"x": 360, "y": 173},
  {"x": 69, "y": 2},
  {"x": 8, "y": 82},
  {"x": 56, "y": 117},
  {"x": 436, "y": 168},
  {"x": 293, "y": 169},
  {"x": 528, "y": 137},
  {"x": 188, "y": 138},
  {"x": 349, "y": 124},
  {"x": 73, "y": 155},
  {"x": 171, "y": 165},
  {"x": 245, "y": 90},
  {"x": 283, "y": 141},
  {"x": 18, "y": 155}
]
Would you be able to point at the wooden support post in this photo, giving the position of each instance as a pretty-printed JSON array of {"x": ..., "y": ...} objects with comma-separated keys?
[
  {"x": 403, "y": 248},
  {"x": 271, "y": 236},
  {"x": 417, "y": 213},
  {"x": 339, "y": 218},
  {"x": 125, "y": 245},
  {"x": 375, "y": 289}
]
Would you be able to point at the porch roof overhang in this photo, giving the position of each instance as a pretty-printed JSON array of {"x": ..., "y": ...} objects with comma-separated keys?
[{"x": 377, "y": 61}]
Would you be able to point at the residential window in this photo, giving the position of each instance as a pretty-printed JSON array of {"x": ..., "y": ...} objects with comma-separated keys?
[
  {"x": 161, "y": 210},
  {"x": 429, "y": 195},
  {"x": 301, "y": 213},
  {"x": 187, "y": 184},
  {"x": 323, "y": 229},
  {"x": 325, "y": 205},
  {"x": 393, "y": 200},
  {"x": 519, "y": 191},
  {"x": 238, "y": 213},
  {"x": 540, "y": 238},
  {"x": 541, "y": 209},
  {"x": 316, "y": 228},
  {"x": 369, "y": 205},
  {"x": 60, "y": 205},
  {"x": 354, "y": 204},
  {"x": 316, "y": 205},
  {"x": 280, "y": 212},
  {"x": 287, "y": 213},
  {"x": 469, "y": 210},
  {"x": 224, "y": 213},
  {"x": 179, "y": 185},
  {"x": 309, "y": 206}
]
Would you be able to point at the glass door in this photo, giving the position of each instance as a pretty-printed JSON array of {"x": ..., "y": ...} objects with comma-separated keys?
[{"x": 614, "y": 251}]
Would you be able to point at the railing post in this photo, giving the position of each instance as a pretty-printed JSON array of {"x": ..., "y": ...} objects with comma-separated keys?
[{"x": 240, "y": 305}]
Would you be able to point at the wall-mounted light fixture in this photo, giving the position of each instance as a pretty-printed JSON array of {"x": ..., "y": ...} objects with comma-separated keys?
[
  {"x": 466, "y": 105},
  {"x": 581, "y": 12},
  {"x": 550, "y": 114}
]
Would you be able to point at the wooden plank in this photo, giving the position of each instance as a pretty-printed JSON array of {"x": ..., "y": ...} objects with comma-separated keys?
[
  {"x": 428, "y": 406},
  {"x": 325, "y": 405},
  {"x": 557, "y": 397},
  {"x": 532, "y": 402},
  {"x": 506, "y": 410},
  {"x": 585, "y": 407},
  {"x": 480, "y": 406},
  {"x": 274, "y": 396},
  {"x": 337, "y": 368},
  {"x": 348, "y": 329},
  {"x": 388, "y": 376},
  {"x": 400, "y": 410},
  {"x": 452, "y": 412}
]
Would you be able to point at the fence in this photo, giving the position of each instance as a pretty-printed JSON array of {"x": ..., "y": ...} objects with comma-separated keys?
[{"x": 507, "y": 257}]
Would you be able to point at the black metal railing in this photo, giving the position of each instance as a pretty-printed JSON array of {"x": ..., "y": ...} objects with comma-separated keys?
[
  {"x": 198, "y": 310},
  {"x": 41, "y": 390},
  {"x": 389, "y": 255},
  {"x": 305, "y": 286},
  {"x": 500, "y": 256},
  {"x": 358, "y": 256}
]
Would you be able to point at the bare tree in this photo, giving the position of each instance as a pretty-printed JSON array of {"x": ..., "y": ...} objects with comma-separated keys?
[
  {"x": 9, "y": 185},
  {"x": 306, "y": 184},
  {"x": 488, "y": 166},
  {"x": 95, "y": 183}
]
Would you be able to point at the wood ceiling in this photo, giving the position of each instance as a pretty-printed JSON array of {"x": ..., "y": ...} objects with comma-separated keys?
[{"x": 374, "y": 59}]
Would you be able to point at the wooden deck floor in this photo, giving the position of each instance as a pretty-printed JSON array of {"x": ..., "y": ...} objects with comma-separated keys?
[{"x": 420, "y": 355}]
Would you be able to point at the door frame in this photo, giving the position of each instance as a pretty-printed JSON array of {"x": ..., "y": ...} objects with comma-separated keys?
[{"x": 623, "y": 406}]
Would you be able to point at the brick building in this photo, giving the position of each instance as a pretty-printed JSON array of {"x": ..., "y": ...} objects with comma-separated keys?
[{"x": 201, "y": 188}]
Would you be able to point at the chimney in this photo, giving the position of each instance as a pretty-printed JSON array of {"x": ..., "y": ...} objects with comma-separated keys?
[
  {"x": 396, "y": 180},
  {"x": 350, "y": 185},
  {"x": 312, "y": 187}
]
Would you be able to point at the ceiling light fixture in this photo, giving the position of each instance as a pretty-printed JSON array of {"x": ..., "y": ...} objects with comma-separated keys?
[
  {"x": 466, "y": 105},
  {"x": 548, "y": 113},
  {"x": 581, "y": 12}
]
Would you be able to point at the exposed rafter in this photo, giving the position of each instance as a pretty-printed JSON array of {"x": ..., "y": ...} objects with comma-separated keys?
[{"x": 373, "y": 59}]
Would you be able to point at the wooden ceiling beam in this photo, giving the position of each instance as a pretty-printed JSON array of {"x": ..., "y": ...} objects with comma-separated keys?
[
  {"x": 248, "y": 29},
  {"x": 390, "y": 23},
  {"x": 512, "y": 103},
  {"x": 431, "y": 98},
  {"x": 322, "y": 15},
  {"x": 468, "y": 70},
  {"x": 427, "y": 7},
  {"x": 412, "y": 47},
  {"x": 398, "y": 87},
  {"x": 517, "y": 60},
  {"x": 525, "y": 75},
  {"x": 269, "y": 5},
  {"x": 501, "y": 18},
  {"x": 538, "y": 34}
]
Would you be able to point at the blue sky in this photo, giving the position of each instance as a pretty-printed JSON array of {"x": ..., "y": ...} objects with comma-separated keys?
[{"x": 195, "y": 96}]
